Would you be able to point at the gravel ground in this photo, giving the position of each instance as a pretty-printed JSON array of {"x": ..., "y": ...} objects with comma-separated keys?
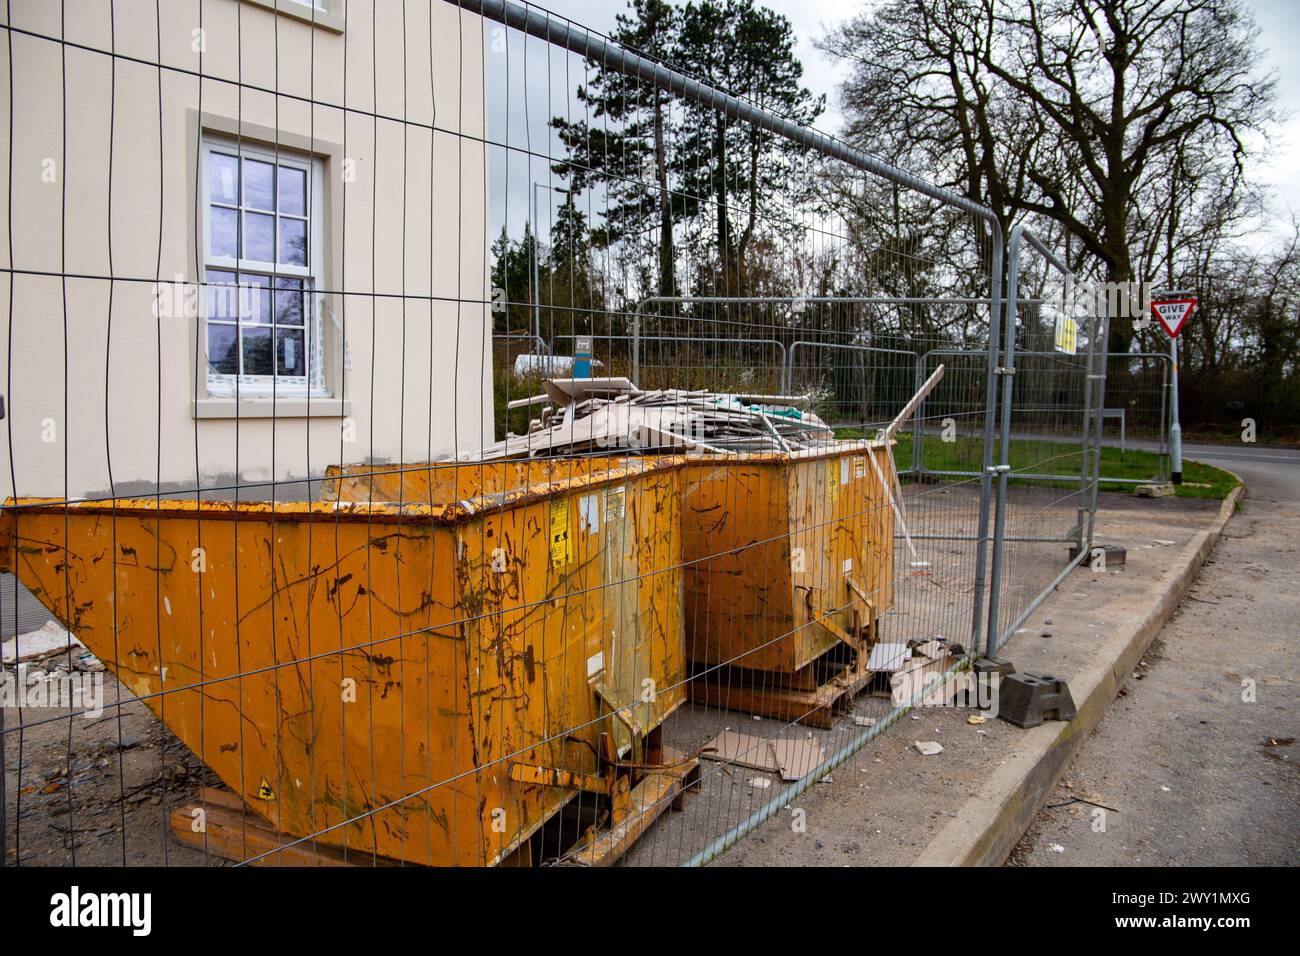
[
  {"x": 107, "y": 804},
  {"x": 885, "y": 804}
]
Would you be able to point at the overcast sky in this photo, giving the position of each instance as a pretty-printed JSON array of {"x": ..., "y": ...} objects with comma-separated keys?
[{"x": 1279, "y": 22}]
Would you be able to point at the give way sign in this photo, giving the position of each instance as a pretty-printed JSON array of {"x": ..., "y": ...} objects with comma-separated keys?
[{"x": 1173, "y": 313}]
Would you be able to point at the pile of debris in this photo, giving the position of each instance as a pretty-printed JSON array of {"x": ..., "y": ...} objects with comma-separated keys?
[
  {"x": 51, "y": 647},
  {"x": 608, "y": 415}
]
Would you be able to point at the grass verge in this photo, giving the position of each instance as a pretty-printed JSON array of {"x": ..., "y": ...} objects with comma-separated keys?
[{"x": 1059, "y": 458}]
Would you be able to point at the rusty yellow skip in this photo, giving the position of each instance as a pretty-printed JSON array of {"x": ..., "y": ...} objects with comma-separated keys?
[
  {"x": 788, "y": 564},
  {"x": 429, "y": 678}
]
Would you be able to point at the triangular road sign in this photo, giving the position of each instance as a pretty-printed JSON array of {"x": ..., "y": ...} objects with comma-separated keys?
[{"x": 1173, "y": 313}]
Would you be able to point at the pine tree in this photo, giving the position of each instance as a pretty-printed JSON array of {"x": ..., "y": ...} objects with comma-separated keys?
[
  {"x": 662, "y": 162},
  {"x": 748, "y": 173},
  {"x": 626, "y": 136}
]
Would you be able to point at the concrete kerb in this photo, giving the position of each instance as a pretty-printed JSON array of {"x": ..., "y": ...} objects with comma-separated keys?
[{"x": 989, "y": 824}]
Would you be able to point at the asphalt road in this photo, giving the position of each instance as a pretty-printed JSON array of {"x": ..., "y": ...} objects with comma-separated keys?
[
  {"x": 1196, "y": 762},
  {"x": 1269, "y": 473}
]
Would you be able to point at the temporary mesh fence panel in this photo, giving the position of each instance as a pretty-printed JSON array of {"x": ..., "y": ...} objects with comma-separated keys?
[
  {"x": 445, "y": 435},
  {"x": 1136, "y": 418},
  {"x": 950, "y": 433},
  {"x": 1049, "y": 448}
]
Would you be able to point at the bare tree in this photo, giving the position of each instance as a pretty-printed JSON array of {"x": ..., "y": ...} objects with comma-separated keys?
[{"x": 1075, "y": 110}]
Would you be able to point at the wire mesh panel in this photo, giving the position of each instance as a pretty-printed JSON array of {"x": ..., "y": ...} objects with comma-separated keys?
[
  {"x": 444, "y": 435},
  {"x": 948, "y": 442},
  {"x": 242, "y": 247},
  {"x": 1135, "y": 418},
  {"x": 1050, "y": 445}
]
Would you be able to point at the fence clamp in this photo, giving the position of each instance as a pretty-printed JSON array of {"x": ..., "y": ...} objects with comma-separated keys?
[
  {"x": 997, "y": 469},
  {"x": 1004, "y": 370}
]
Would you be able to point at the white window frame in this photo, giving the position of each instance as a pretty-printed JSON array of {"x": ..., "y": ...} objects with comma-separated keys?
[{"x": 224, "y": 385}]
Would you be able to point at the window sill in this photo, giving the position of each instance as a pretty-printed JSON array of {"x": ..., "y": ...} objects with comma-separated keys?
[
  {"x": 267, "y": 408},
  {"x": 299, "y": 10}
]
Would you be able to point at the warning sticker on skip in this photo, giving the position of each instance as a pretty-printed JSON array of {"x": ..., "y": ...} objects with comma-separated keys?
[{"x": 561, "y": 553}]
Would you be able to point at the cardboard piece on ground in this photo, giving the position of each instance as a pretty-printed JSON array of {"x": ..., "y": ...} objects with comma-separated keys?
[
  {"x": 743, "y": 750},
  {"x": 926, "y": 678},
  {"x": 792, "y": 759},
  {"x": 797, "y": 758}
]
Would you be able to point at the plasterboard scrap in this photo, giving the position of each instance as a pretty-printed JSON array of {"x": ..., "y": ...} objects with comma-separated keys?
[
  {"x": 50, "y": 639},
  {"x": 932, "y": 648},
  {"x": 796, "y": 758},
  {"x": 860, "y": 721},
  {"x": 742, "y": 750},
  {"x": 595, "y": 414},
  {"x": 927, "y": 665},
  {"x": 888, "y": 657},
  {"x": 761, "y": 783},
  {"x": 928, "y": 748},
  {"x": 928, "y": 679},
  {"x": 565, "y": 391}
]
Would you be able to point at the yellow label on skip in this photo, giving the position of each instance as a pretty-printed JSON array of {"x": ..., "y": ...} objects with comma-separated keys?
[{"x": 560, "y": 552}]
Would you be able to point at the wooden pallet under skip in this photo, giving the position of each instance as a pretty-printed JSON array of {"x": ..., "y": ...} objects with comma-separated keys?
[
  {"x": 660, "y": 789},
  {"x": 219, "y": 824},
  {"x": 817, "y": 706},
  {"x": 816, "y": 696}
]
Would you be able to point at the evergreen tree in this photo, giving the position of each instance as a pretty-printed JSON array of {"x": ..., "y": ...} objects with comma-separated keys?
[
  {"x": 627, "y": 135},
  {"x": 746, "y": 173},
  {"x": 719, "y": 178},
  {"x": 512, "y": 282}
]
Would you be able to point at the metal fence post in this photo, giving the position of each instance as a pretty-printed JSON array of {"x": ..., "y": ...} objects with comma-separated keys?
[
  {"x": 1103, "y": 338},
  {"x": 636, "y": 349},
  {"x": 1005, "y": 372},
  {"x": 918, "y": 420},
  {"x": 991, "y": 397},
  {"x": 1020, "y": 234},
  {"x": 1084, "y": 539}
]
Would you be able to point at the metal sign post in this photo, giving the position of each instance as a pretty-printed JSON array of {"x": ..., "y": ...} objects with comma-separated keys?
[
  {"x": 537, "y": 254},
  {"x": 1173, "y": 307},
  {"x": 1175, "y": 429}
]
